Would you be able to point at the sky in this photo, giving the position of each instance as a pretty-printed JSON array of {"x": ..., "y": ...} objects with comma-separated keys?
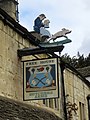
[{"x": 70, "y": 14}]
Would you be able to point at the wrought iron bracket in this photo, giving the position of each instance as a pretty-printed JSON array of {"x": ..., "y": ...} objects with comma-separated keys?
[{"x": 42, "y": 50}]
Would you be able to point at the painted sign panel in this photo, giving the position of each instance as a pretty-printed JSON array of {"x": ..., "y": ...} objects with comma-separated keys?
[{"x": 40, "y": 79}]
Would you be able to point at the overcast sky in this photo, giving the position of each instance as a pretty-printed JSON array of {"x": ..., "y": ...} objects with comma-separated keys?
[{"x": 70, "y": 14}]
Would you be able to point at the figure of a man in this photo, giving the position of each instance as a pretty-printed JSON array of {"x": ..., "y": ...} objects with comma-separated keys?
[{"x": 38, "y": 22}]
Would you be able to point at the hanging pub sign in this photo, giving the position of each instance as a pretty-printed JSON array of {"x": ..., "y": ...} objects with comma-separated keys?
[{"x": 40, "y": 79}]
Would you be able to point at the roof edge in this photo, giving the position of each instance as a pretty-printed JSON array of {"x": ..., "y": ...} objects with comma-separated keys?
[
  {"x": 78, "y": 74},
  {"x": 18, "y": 28}
]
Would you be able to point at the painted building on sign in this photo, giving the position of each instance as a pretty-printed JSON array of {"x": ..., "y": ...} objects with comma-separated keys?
[{"x": 38, "y": 76}]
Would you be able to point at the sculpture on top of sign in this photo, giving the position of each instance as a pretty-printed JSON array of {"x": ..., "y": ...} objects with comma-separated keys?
[
  {"x": 40, "y": 26},
  {"x": 38, "y": 22}
]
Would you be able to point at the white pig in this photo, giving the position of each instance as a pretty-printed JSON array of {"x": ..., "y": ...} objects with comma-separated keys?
[{"x": 61, "y": 33}]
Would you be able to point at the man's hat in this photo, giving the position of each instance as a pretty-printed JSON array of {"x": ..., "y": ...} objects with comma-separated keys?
[{"x": 42, "y": 15}]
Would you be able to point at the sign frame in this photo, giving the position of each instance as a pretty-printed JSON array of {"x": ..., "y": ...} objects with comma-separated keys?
[{"x": 40, "y": 79}]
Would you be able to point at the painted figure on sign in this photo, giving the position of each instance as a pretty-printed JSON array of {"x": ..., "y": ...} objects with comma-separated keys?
[
  {"x": 38, "y": 22},
  {"x": 40, "y": 76}
]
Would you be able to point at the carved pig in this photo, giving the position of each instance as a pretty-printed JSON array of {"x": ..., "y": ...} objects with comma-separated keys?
[{"x": 61, "y": 33}]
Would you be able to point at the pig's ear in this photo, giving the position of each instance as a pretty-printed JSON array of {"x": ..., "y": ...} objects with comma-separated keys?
[{"x": 63, "y": 29}]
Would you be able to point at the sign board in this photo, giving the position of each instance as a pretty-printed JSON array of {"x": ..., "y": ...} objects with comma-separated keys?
[{"x": 40, "y": 79}]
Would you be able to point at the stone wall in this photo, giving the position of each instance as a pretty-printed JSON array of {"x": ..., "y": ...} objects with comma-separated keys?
[
  {"x": 76, "y": 91},
  {"x": 11, "y": 72}
]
